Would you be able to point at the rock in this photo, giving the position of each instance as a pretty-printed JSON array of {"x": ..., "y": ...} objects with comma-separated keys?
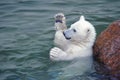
[{"x": 107, "y": 50}]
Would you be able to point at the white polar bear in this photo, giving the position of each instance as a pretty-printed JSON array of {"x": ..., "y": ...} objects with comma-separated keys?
[{"x": 75, "y": 42}]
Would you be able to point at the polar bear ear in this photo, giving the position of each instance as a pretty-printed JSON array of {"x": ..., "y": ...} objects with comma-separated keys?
[{"x": 82, "y": 18}]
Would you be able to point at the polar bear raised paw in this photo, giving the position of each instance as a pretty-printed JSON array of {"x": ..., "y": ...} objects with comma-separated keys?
[
  {"x": 59, "y": 18},
  {"x": 60, "y": 21}
]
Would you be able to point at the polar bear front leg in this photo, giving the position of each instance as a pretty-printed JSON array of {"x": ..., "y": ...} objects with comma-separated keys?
[
  {"x": 56, "y": 54},
  {"x": 60, "y": 21}
]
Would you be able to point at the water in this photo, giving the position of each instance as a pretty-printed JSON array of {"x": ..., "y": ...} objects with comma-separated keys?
[{"x": 27, "y": 31}]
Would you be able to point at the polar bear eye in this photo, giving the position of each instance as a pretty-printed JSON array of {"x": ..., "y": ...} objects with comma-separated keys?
[
  {"x": 74, "y": 30},
  {"x": 88, "y": 30}
]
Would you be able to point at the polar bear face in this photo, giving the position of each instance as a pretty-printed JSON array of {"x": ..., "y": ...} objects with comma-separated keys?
[{"x": 80, "y": 31}]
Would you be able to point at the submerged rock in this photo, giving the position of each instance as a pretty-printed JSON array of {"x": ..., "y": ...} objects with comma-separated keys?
[{"x": 107, "y": 50}]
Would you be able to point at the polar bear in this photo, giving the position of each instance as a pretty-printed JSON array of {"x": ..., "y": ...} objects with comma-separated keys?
[{"x": 74, "y": 42}]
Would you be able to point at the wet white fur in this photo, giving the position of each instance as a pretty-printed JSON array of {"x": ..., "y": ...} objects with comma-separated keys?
[{"x": 79, "y": 46}]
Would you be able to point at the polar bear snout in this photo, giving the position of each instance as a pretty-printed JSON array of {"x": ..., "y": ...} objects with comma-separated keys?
[
  {"x": 66, "y": 36},
  {"x": 68, "y": 33}
]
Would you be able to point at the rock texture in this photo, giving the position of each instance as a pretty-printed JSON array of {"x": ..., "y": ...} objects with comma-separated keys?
[{"x": 107, "y": 50}]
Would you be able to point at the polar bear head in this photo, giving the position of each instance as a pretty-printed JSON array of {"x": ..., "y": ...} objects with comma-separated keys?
[{"x": 80, "y": 31}]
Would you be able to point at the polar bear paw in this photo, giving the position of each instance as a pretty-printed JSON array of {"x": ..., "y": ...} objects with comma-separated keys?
[
  {"x": 60, "y": 21},
  {"x": 57, "y": 54},
  {"x": 59, "y": 18}
]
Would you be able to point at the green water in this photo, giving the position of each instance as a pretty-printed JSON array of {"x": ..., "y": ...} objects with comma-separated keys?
[{"x": 27, "y": 32}]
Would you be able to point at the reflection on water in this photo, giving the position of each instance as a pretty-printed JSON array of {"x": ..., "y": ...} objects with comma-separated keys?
[{"x": 26, "y": 36}]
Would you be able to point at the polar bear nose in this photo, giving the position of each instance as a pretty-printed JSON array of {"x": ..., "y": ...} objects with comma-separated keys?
[{"x": 68, "y": 34}]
